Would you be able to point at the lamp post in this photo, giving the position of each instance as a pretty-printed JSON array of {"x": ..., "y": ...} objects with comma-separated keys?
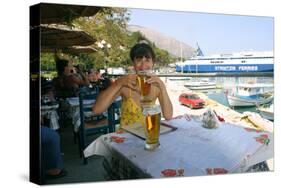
[{"x": 105, "y": 46}]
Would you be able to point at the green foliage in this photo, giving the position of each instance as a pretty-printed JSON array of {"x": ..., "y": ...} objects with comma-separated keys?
[
  {"x": 109, "y": 24},
  {"x": 47, "y": 62}
]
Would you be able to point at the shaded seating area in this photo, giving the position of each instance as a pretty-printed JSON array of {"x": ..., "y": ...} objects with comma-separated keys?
[{"x": 57, "y": 34}]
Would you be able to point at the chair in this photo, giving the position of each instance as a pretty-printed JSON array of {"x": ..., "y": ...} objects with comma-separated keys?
[
  {"x": 92, "y": 124},
  {"x": 114, "y": 114}
]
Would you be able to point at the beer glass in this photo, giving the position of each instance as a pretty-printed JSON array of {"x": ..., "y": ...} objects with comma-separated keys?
[
  {"x": 145, "y": 88},
  {"x": 152, "y": 126}
]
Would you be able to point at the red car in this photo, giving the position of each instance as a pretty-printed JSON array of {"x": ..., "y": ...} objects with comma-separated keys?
[{"x": 191, "y": 100}]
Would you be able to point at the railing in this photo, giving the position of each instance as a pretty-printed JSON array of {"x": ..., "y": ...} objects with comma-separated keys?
[{"x": 218, "y": 74}]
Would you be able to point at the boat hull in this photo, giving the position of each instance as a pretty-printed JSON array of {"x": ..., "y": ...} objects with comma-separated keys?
[
  {"x": 227, "y": 68},
  {"x": 238, "y": 101},
  {"x": 267, "y": 113},
  {"x": 179, "y": 78},
  {"x": 199, "y": 84},
  {"x": 202, "y": 87}
]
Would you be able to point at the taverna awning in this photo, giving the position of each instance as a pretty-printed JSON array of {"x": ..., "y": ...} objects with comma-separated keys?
[
  {"x": 75, "y": 50},
  {"x": 61, "y": 36},
  {"x": 62, "y": 13}
]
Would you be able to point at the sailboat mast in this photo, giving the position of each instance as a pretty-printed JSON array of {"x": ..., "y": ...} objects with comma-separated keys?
[
  {"x": 181, "y": 58},
  {"x": 181, "y": 51}
]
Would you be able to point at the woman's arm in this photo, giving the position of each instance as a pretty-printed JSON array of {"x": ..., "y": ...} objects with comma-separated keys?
[
  {"x": 106, "y": 97},
  {"x": 164, "y": 99}
]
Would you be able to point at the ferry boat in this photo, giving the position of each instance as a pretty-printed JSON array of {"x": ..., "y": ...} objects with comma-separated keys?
[{"x": 246, "y": 61}]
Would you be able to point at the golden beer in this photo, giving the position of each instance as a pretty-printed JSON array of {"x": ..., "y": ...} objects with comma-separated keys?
[
  {"x": 145, "y": 89},
  {"x": 152, "y": 126}
]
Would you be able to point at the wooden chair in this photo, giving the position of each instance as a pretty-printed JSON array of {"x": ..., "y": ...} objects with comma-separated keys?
[{"x": 92, "y": 124}]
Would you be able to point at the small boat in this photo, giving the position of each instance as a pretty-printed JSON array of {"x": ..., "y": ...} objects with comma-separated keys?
[
  {"x": 203, "y": 87},
  {"x": 200, "y": 85},
  {"x": 250, "y": 95},
  {"x": 266, "y": 112},
  {"x": 179, "y": 78}
]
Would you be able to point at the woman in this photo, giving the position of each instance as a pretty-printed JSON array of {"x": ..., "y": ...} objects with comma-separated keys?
[
  {"x": 67, "y": 83},
  {"x": 143, "y": 58}
]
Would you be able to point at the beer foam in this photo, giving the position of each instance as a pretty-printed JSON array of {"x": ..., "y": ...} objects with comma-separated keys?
[
  {"x": 152, "y": 110},
  {"x": 145, "y": 72}
]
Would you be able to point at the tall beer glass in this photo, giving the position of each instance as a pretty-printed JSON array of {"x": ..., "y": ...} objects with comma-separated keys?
[
  {"x": 145, "y": 88},
  {"x": 152, "y": 126}
]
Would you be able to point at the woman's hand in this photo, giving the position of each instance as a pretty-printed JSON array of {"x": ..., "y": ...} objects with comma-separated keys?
[
  {"x": 155, "y": 80},
  {"x": 129, "y": 81}
]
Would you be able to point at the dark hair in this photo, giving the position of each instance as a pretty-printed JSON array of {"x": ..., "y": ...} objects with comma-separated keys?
[
  {"x": 142, "y": 49},
  {"x": 60, "y": 64}
]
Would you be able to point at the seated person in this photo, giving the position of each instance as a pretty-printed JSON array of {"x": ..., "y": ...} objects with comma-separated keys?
[
  {"x": 104, "y": 81},
  {"x": 143, "y": 58},
  {"x": 52, "y": 163},
  {"x": 67, "y": 83},
  {"x": 95, "y": 79}
]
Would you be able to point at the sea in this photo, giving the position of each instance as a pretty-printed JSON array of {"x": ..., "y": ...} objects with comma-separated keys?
[{"x": 226, "y": 84}]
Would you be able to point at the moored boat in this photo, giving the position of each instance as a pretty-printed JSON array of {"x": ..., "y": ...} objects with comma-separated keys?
[
  {"x": 250, "y": 95},
  {"x": 179, "y": 78},
  {"x": 202, "y": 87},
  {"x": 238, "y": 62},
  {"x": 200, "y": 84},
  {"x": 267, "y": 112}
]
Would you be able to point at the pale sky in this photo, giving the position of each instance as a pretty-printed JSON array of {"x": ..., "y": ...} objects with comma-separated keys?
[{"x": 215, "y": 33}]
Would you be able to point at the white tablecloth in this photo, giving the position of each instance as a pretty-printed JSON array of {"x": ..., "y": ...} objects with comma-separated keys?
[
  {"x": 191, "y": 149},
  {"x": 75, "y": 110}
]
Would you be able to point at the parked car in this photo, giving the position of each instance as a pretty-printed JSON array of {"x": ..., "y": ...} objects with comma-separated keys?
[{"x": 191, "y": 100}]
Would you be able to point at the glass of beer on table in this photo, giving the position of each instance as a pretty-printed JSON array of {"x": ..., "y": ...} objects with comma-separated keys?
[
  {"x": 152, "y": 126},
  {"x": 145, "y": 88}
]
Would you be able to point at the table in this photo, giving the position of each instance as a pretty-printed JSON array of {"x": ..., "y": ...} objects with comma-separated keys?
[
  {"x": 50, "y": 111},
  {"x": 75, "y": 109},
  {"x": 190, "y": 150}
]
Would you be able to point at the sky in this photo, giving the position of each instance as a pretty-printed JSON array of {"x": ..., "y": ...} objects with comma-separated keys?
[{"x": 215, "y": 33}]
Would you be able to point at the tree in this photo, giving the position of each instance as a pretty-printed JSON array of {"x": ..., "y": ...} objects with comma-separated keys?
[
  {"x": 47, "y": 62},
  {"x": 109, "y": 24}
]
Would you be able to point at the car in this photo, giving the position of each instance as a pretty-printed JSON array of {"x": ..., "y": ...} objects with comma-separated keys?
[{"x": 191, "y": 100}]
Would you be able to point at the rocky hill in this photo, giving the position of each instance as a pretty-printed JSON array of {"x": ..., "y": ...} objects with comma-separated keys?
[{"x": 164, "y": 42}]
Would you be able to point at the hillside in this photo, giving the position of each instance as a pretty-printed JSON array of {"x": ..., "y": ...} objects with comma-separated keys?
[{"x": 164, "y": 42}]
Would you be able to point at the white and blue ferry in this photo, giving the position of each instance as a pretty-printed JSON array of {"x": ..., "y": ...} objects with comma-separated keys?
[{"x": 246, "y": 61}]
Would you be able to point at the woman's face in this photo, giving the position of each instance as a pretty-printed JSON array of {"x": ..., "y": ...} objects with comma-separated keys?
[{"x": 142, "y": 63}]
